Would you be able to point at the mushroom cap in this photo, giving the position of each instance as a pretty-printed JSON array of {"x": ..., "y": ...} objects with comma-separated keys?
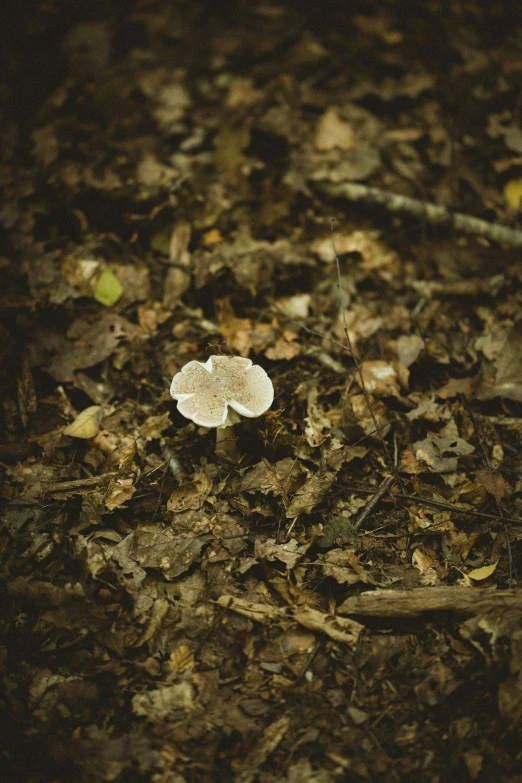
[{"x": 204, "y": 391}]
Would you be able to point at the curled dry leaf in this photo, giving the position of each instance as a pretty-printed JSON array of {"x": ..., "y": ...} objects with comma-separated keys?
[{"x": 118, "y": 492}]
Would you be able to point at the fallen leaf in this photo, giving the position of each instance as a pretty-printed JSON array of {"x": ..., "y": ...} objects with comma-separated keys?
[
  {"x": 118, "y": 492},
  {"x": 86, "y": 424},
  {"x": 493, "y": 482},
  {"x": 192, "y": 494},
  {"x": 478, "y": 574},
  {"x": 441, "y": 452},
  {"x": 87, "y": 343},
  {"x": 503, "y": 378},
  {"x": 344, "y": 566},
  {"x": 409, "y": 347},
  {"x": 285, "y": 347},
  {"x": 333, "y": 132},
  {"x": 289, "y": 553},
  {"x": 108, "y": 288},
  {"x": 162, "y": 702},
  {"x": 513, "y": 193},
  {"x": 454, "y": 387},
  {"x": 313, "y": 491}
]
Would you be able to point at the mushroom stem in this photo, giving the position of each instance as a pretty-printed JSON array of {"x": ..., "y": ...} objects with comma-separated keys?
[{"x": 226, "y": 444}]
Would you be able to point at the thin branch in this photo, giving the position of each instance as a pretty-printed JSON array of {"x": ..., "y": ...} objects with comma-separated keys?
[
  {"x": 488, "y": 465},
  {"x": 91, "y": 481},
  {"x": 471, "y": 512},
  {"x": 425, "y": 210},
  {"x": 456, "y": 509},
  {"x": 383, "y": 489},
  {"x": 358, "y": 366}
]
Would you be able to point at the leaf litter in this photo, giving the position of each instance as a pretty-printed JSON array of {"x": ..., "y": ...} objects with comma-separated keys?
[{"x": 346, "y": 594}]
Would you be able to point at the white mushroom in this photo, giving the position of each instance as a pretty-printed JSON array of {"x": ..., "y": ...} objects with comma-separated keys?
[{"x": 212, "y": 394}]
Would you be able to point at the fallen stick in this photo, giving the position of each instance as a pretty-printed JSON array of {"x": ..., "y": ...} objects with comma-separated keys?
[
  {"x": 77, "y": 484},
  {"x": 426, "y": 210},
  {"x": 340, "y": 629},
  {"x": 412, "y": 603}
]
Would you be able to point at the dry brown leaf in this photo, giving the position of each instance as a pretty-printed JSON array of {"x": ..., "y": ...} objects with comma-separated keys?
[
  {"x": 192, "y": 494},
  {"x": 504, "y": 377},
  {"x": 426, "y": 566},
  {"x": 288, "y": 553},
  {"x": 332, "y": 132},
  {"x": 87, "y": 344},
  {"x": 118, "y": 492},
  {"x": 285, "y": 347},
  {"x": 454, "y": 387},
  {"x": 181, "y": 660},
  {"x": 383, "y": 379},
  {"x": 164, "y": 702},
  {"x": 313, "y": 492},
  {"x": 154, "y": 426},
  {"x": 345, "y": 568},
  {"x": 151, "y": 546},
  {"x": 441, "y": 452},
  {"x": 493, "y": 482}
]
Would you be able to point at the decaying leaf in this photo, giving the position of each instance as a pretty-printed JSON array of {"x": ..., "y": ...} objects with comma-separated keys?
[
  {"x": 87, "y": 344},
  {"x": 152, "y": 547},
  {"x": 504, "y": 377},
  {"x": 344, "y": 566},
  {"x": 493, "y": 482},
  {"x": 289, "y": 552},
  {"x": 441, "y": 452},
  {"x": 313, "y": 491},
  {"x": 118, "y": 492},
  {"x": 162, "y": 702},
  {"x": 192, "y": 494}
]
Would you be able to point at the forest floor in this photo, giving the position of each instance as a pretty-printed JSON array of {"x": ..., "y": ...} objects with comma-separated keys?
[{"x": 340, "y": 602}]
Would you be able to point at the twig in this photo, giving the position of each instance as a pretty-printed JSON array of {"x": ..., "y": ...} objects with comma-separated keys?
[
  {"x": 383, "y": 489},
  {"x": 309, "y": 661},
  {"x": 488, "y": 465},
  {"x": 159, "y": 494},
  {"x": 358, "y": 366},
  {"x": 433, "y": 213},
  {"x": 435, "y": 504},
  {"x": 91, "y": 481},
  {"x": 456, "y": 509}
]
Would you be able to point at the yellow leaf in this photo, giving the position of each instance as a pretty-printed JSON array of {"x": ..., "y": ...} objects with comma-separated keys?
[
  {"x": 86, "y": 424},
  {"x": 513, "y": 193},
  {"x": 108, "y": 288},
  {"x": 478, "y": 574}
]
